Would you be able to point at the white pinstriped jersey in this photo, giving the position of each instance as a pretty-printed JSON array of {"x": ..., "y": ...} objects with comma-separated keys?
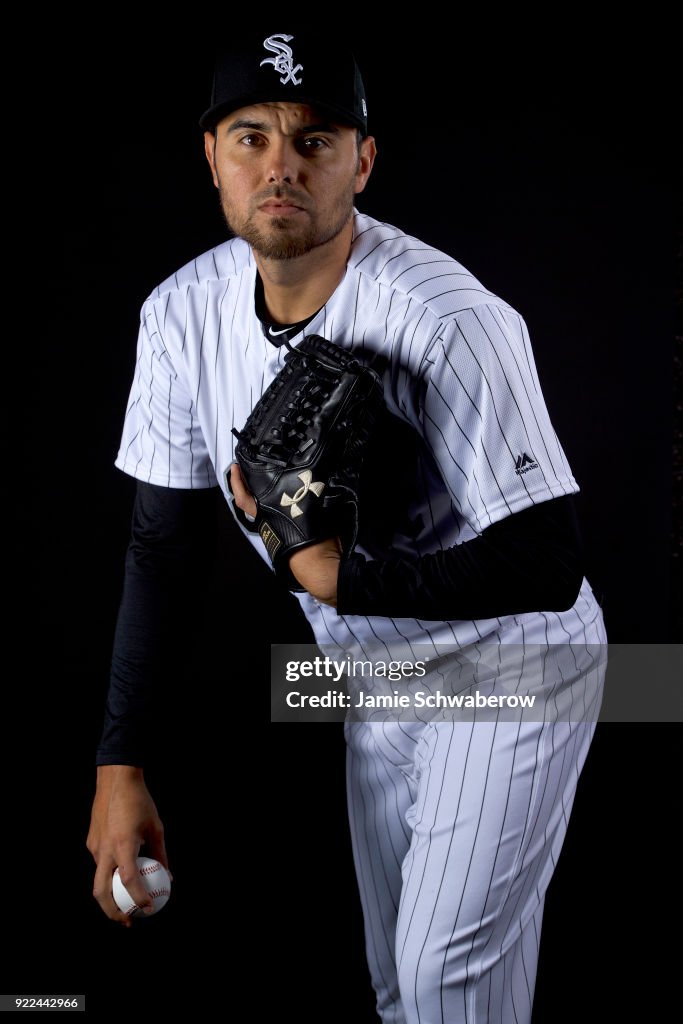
[{"x": 476, "y": 442}]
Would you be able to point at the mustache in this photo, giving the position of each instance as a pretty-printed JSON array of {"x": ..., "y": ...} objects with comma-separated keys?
[{"x": 278, "y": 192}]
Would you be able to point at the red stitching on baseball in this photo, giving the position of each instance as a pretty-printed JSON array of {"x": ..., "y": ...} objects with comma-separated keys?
[{"x": 149, "y": 869}]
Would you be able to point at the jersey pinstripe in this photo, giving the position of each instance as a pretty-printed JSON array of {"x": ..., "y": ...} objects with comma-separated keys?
[{"x": 458, "y": 372}]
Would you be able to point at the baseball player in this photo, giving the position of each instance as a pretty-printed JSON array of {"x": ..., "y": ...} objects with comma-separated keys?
[{"x": 470, "y": 540}]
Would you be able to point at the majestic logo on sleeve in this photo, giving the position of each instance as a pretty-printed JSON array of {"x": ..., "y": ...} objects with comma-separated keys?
[
  {"x": 523, "y": 463},
  {"x": 307, "y": 485},
  {"x": 283, "y": 62}
]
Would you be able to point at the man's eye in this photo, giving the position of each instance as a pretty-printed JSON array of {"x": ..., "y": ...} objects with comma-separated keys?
[
  {"x": 251, "y": 140},
  {"x": 312, "y": 142}
]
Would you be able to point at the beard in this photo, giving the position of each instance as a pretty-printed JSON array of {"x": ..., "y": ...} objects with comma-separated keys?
[{"x": 282, "y": 239}]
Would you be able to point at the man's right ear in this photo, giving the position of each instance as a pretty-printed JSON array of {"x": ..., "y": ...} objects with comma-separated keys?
[{"x": 210, "y": 151}]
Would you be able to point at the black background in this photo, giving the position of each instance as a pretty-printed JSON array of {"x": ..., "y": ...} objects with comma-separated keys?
[{"x": 550, "y": 174}]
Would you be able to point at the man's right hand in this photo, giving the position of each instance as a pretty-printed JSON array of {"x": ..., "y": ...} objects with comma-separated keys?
[{"x": 124, "y": 817}]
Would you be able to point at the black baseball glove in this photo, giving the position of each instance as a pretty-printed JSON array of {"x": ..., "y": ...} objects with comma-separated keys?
[{"x": 301, "y": 450}]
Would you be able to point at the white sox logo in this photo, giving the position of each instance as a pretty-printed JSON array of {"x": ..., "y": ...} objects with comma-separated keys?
[
  {"x": 283, "y": 63},
  {"x": 306, "y": 477}
]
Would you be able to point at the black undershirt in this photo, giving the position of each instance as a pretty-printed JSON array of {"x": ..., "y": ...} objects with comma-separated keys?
[{"x": 529, "y": 561}]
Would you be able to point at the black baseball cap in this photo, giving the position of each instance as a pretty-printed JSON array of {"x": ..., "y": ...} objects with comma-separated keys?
[{"x": 294, "y": 67}]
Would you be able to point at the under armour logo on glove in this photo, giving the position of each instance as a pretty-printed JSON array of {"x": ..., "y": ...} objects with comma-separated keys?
[
  {"x": 284, "y": 62},
  {"x": 317, "y": 488}
]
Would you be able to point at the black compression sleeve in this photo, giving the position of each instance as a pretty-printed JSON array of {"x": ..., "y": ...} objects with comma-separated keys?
[
  {"x": 167, "y": 554},
  {"x": 530, "y": 561}
]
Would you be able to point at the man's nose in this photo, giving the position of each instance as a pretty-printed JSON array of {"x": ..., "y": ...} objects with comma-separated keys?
[{"x": 283, "y": 161}]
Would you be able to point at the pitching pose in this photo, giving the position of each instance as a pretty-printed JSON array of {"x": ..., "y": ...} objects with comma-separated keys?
[{"x": 467, "y": 549}]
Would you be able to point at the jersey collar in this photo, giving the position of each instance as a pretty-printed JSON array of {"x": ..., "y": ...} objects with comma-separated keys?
[{"x": 277, "y": 334}]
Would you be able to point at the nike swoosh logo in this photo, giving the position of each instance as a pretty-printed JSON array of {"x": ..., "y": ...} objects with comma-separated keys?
[{"x": 275, "y": 333}]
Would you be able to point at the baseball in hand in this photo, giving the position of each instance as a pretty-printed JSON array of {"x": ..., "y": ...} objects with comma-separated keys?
[{"x": 156, "y": 881}]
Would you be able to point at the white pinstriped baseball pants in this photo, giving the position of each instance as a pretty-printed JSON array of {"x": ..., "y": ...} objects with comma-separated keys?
[{"x": 456, "y": 829}]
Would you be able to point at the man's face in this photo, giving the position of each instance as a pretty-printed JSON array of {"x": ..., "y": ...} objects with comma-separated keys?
[{"x": 287, "y": 176}]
